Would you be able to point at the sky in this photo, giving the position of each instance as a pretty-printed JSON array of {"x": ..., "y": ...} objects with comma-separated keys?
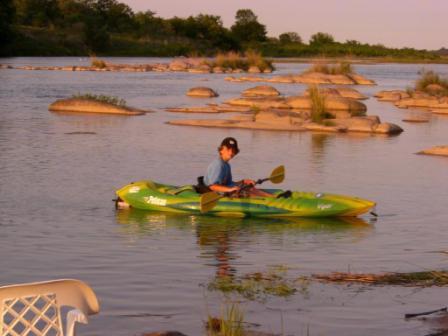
[{"x": 421, "y": 24}]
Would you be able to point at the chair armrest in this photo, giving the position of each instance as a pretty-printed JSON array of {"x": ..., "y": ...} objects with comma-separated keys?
[{"x": 73, "y": 316}]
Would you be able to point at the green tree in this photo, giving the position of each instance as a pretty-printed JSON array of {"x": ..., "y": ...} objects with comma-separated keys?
[
  {"x": 149, "y": 25},
  {"x": 321, "y": 38},
  {"x": 40, "y": 13},
  {"x": 7, "y": 14},
  {"x": 247, "y": 28},
  {"x": 290, "y": 37},
  {"x": 117, "y": 16}
]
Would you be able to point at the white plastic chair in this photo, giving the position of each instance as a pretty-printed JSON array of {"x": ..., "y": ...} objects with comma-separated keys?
[{"x": 34, "y": 309}]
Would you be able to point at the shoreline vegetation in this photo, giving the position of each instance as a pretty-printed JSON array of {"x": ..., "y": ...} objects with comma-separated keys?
[{"x": 112, "y": 28}]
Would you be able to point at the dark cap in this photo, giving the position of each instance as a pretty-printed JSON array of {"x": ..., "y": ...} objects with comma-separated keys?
[{"x": 231, "y": 143}]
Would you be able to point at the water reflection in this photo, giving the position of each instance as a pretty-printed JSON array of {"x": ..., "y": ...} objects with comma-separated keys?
[{"x": 220, "y": 238}]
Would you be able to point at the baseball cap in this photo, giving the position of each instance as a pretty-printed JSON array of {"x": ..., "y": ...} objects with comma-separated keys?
[{"x": 231, "y": 143}]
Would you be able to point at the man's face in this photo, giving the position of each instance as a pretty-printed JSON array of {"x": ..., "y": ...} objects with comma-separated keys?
[{"x": 227, "y": 153}]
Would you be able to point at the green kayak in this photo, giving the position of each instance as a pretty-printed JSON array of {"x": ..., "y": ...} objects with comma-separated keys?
[{"x": 149, "y": 195}]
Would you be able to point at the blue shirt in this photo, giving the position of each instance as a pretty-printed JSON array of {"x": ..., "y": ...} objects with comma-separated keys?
[{"x": 219, "y": 172}]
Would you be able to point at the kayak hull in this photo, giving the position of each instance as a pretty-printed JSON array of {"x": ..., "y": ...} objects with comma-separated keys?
[{"x": 149, "y": 195}]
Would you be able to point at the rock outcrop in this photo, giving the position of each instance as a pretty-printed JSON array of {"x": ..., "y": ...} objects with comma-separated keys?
[
  {"x": 344, "y": 92},
  {"x": 290, "y": 114},
  {"x": 309, "y": 78},
  {"x": 202, "y": 92},
  {"x": 79, "y": 105},
  {"x": 402, "y": 99}
]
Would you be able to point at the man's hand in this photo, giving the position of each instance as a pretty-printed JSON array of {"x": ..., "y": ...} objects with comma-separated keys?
[
  {"x": 234, "y": 189},
  {"x": 249, "y": 182}
]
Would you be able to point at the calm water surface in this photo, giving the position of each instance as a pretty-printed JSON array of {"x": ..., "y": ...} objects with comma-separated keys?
[{"x": 150, "y": 270}]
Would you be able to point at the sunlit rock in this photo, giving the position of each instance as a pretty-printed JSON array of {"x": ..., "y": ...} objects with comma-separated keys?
[
  {"x": 202, "y": 92},
  {"x": 262, "y": 90},
  {"x": 437, "y": 150},
  {"x": 92, "y": 106}
]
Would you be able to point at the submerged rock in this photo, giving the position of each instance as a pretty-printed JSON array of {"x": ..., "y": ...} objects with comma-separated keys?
[
  {"x": 82, "y": 105},
  {"x": 437, "y": 150}
]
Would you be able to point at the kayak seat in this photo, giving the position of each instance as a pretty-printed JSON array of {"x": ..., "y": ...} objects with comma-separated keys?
[
  {"x": 201, "y": 187},
  {"x": 285, "y": 194},
  {"x": 179, "y": 190}
]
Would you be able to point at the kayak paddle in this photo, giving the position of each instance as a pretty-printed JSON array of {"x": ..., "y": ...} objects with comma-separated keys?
[{"x": 210, "y": 199}]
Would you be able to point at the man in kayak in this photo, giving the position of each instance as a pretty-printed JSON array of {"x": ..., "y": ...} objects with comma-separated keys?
[{"x": 219, "y": 173}]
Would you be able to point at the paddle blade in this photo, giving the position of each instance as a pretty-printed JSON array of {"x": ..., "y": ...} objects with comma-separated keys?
[
  {"x": 209, "y": 200},
  {"x": 277, "y": 175}
]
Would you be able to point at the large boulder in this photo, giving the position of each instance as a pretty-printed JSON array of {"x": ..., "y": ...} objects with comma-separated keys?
[
  {"x": 311, "y": 126},
  {"x": 261, "y": 103},
  {"x": 434, "y": 89},
  {"x": 275, "y": 117},
  {"x": 417, "y": 102},
  {"x": 299, "y": 102},
  {"x": 281, "y": 79},
  {"x": 345, "y": 104},
  {"x": 388, "y": 128},
  {"x": 361, "y": 80},
  {"x": 437, "y": 150},
  {"x": 202, "y": 68},
  {"x": 312, "y": 78},
  {"x": 178, "y": 65},
  {"x": 392, "y": 95},
  {"x": 253, "y": 69},
  {"x": 340, "y": 79},
  {"x": 347, "y": 92},
  {"x": 358, "y": 124},
  {"x": 262, "y": 90},
  {"x": 340, "y": 92},
  {"x": 202, "y": 92},
  {"x": 332, "y": 103},
  {"x": 82, "y": 105}
]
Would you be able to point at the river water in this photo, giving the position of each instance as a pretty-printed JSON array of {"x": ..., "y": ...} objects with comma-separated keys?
[{"x": 150, "y": 271}]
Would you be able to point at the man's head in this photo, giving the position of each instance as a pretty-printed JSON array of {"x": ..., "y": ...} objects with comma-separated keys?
[{"x": 228, "y": 148}]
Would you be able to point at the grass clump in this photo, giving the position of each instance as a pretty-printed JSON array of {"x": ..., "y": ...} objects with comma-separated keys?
[
  {"x": 229, "y": 324},
  {"x": 256, "y": 286},
  {"x": 343, "y": 68},
  {"x": 415, "y": 279},
  {"x": 431, "y": 83},
  {"x": 101, "y": 98},
  {"x": 97, "y": 63},
  {"x": 318, "y": 112},
  {"x": 233, "y": 60}
]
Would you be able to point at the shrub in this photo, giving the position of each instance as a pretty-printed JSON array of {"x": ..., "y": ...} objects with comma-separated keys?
[
  {"x": 318, "y": 113},
  {"x": 428, "y": 78},
  {"x": 101, "y": 98},
  {"x": 235, "y": 60},
  {"x": 97, "y": 63},
  {"x": 342, "y": 68}
]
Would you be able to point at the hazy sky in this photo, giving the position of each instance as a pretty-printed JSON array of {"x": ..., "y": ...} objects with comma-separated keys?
[{"x": 419, "y": 24}]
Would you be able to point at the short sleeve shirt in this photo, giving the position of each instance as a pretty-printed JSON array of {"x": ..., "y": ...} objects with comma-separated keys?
[{"x": 219, "y": 172}]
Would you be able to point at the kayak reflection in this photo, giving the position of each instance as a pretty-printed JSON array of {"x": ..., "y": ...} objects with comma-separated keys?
[{"x": 220, "y": 237}]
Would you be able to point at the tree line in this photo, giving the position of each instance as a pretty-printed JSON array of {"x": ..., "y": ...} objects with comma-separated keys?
[{"x": 80, "y": 27}]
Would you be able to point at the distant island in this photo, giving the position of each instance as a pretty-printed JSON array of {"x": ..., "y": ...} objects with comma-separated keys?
[{"x": 111, "y": 28}]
